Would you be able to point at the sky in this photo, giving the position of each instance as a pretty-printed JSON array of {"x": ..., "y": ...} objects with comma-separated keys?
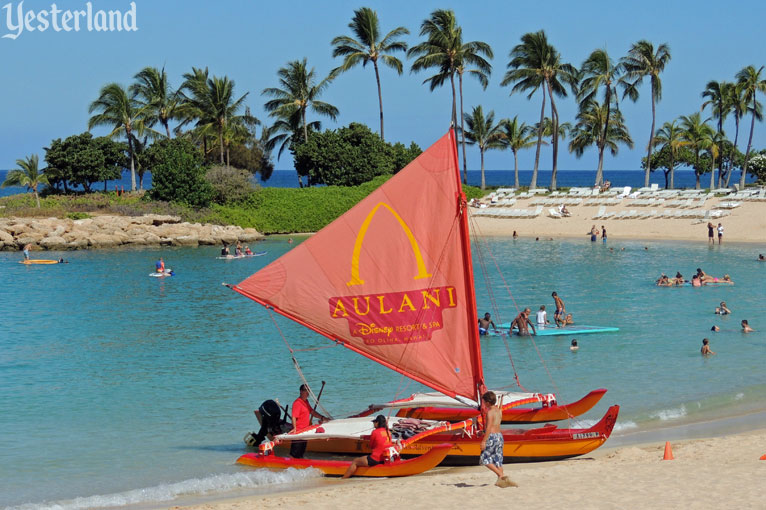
[{"x": 50, "y": 78}]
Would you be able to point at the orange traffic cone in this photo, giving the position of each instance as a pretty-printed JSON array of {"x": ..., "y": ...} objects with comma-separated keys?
[
  {"x": 763, "y": 457},
  {"x": 668, "y": 452}
]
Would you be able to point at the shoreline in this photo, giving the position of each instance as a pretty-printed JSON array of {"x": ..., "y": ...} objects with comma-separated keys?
[{"x": 702, "y": 475}]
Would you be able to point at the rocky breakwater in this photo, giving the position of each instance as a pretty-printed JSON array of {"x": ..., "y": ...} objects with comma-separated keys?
[{"x": 113, "y": 231}]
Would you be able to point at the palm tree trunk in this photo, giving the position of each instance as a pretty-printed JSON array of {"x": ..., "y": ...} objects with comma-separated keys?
[
  {"x": 696, "y": 166},
  {"x": 483, "y": 183},
  {"x": 600, "y": 169},
  {"x": 515, "y": 170},
  {"x": 462, "y": 130},
  {"x": 672, "y": 169},
  {"x": 220, "y": 141},
  {"x": 228, "y": 164},
  {"x": 749, "y": 145},
  {"x": 380, "y": 98},
  {"x": 454, "y": 100},
  {"x": 533, "y": 183},
  {"x": 555, "y": 125},
  {"x": 651, "y": 145},
  {"x": 132, "y": 163},
  {"x": 305, "y": 139},
  {"x": 608, "y": 101},
  {"x": 167, "y": 127},
  {"x": 37, "y": 197},
  {"x": 712, "y": 171},
  {"x": 720, "y": 160},
  {"x": 733, "y": 149}
]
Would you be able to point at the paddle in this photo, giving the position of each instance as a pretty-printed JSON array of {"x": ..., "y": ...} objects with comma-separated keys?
[{"x": 317, "y": 400}]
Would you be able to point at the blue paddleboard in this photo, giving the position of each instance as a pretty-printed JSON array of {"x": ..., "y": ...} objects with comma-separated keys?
[{"x": 572, "y": 329}]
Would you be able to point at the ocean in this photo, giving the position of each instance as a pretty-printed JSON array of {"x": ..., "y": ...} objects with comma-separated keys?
[
  {"x": 120, "y": 389},
  {"x": 565, "y": 178}
]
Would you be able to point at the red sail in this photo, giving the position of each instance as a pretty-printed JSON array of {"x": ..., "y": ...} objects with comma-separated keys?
[{"x": 391, "y": 278}]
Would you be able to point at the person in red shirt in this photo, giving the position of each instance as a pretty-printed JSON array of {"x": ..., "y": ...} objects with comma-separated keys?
[
  {"x": 380, "y": 441},
  {"x": 302, "y": 414}
]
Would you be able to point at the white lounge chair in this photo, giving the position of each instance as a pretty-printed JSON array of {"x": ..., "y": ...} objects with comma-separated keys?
[
  {"x": 553, "y": 213},
  {"x": 601, "y": 211}
]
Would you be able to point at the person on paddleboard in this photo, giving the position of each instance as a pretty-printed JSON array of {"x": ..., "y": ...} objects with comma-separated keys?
[
  {"x": 160, "y": 266},
  {"x": 380, "y": 441},
  {"x": 27, "y": 247},
  {"x": 522, "y": 323},
  {"x": 302, "y": 413}
]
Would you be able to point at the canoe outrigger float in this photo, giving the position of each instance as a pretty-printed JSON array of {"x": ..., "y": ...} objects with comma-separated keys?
[
  {"x": 392, "y": 280},
  {"x": 435, "y": 406}
]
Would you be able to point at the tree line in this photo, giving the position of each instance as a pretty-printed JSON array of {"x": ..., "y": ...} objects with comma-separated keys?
[{"x": 206, "y": 111}]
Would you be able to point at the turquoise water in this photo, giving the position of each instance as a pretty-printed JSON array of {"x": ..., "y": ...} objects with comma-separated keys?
[{"x": 118, "y": 388}]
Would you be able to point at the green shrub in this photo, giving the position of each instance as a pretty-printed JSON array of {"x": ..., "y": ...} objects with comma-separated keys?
[
  {"x": 77, "y": 215},
  {"x": 177, "y": 173},
  {"x": 228, "y": 184}
]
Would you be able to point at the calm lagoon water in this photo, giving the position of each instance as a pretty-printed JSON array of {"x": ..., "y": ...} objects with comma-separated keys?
[{"x": 117, "y": 388}]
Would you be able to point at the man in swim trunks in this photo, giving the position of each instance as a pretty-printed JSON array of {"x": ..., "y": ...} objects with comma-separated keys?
[
  {"x": 492, "y": 443},
  {"x": 485, "y": 323},
  {"x": 603, "y": 233},
  {"x": 380, "y": 441},
  {"x": 521, "y": 322},
  {"x": 558, "y": 315},
  {"x": 593, "y": 233}
]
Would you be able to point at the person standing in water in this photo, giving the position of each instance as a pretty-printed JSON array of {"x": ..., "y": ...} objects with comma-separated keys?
[
  {"x": 603, "y": 234},
  {"x": 706, "y": 347}
]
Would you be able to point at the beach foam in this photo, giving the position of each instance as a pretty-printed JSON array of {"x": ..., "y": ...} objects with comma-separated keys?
[{"x": 214, "y": 484}]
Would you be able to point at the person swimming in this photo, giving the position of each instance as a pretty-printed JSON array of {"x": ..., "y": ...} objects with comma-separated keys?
[
  {"x": 574, "y": 346},
  {"x": 746, "y": 327},
  {"x": 722, "y": 309}
]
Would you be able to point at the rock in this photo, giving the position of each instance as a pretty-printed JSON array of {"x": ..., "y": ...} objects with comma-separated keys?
[
  {"x": 53, "y": 243},
  {"x": 6, "y": 238},
  {"x": 103, "y": 241}
]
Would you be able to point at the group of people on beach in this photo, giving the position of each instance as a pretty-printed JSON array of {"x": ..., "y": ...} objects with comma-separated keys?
[
  {"x": 699, "y": 279},
  {"x": 711, "y": 230}
]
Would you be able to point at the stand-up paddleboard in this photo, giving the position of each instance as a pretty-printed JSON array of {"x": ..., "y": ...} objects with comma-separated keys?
[
  {"x": 168, "y": 272},
  {"x": 571, "y": 329},
  {"x": 38, "y": 261},
  {"x": 236, "y": 257}
]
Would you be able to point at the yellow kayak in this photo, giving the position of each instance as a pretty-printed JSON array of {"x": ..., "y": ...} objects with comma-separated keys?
[{"x": 38, "y": 261}]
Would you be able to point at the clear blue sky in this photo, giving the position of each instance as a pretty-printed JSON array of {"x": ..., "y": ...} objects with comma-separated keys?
[{"x": 50, "y": 78}]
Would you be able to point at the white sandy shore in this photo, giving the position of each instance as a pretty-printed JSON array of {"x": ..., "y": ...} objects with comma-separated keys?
[
  {"x": 722, "y": 472},
  {"x": 746, "y": 223}
]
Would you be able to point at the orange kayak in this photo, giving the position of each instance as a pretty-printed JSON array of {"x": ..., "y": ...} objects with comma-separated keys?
[
  {"x": 533, "y": 445},
  {"x": 422, "y": 462},
  {"x": 512, "y": 415}
]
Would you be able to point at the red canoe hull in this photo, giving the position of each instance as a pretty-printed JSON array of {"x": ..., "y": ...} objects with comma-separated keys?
[
  {"x": 416, "y": 465},
  {"x": 512, "y": 415},
  {"x": 534, "y": 445}
]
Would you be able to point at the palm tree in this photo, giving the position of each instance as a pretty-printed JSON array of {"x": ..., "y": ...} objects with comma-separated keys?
[
  {"x": 751, "y": 82},
  {"x": 299, "y": 92},
  {"x": 154, "y": 94},
  {"x": 739, "y": 108},
  {"x": 561, "y": 133},
  {"x": 471, "y": 62},
  {"x": 368, "y": 47},
  {"x": 27, "y": 175},
  {"x": 713, "y": 142},
  {"x": 670, "y": 135},
  {"x": 642, "y": 60},
  {"x": 118, "y": 107},
  {"x": 589, "y": 130},
  {"x": 694, "y": 132},
  {"x": 286, "y": 132},
  {"x": 444, "y": 49},
  {"x": 598, "y": 70},
  {"x": 483, "y": 132},
  {"x": 535, "y": 64},
  {"x": 718, "y": 96},
  {"x": 211, "y": 101},
  {"x": 516, "y": 136}
]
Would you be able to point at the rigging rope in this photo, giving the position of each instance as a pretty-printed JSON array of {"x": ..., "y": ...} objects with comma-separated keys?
[{"x": 298, "y": 366}]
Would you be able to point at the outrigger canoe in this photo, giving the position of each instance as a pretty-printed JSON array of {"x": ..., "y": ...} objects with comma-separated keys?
[
  {"x": 533, "y": 445},
  {"x": 511, "y": 415},
  {"x": 403, "y": 467}
]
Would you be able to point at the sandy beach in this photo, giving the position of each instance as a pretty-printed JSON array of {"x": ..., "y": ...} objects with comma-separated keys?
[
  {"x": 723, "y": 472},
  {"x": 745, "y": 223}
]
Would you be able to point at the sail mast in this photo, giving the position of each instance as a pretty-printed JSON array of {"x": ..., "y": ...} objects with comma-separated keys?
[{"x": 465, "y": 244}]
